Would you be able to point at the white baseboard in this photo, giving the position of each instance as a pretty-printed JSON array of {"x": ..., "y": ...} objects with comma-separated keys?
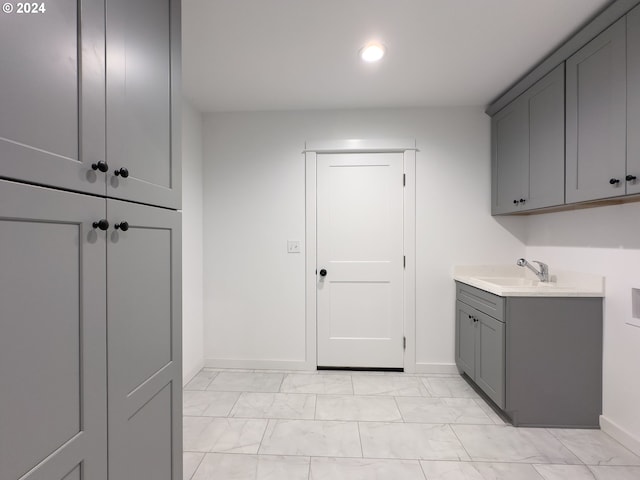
[
  {"x": 439, "y": 368},
  {"x": 446, "y": 368},
  {"x": 259, "y": 364},
  {"x": 620, "y": 434},
  {"x": 187, "y": 376}
]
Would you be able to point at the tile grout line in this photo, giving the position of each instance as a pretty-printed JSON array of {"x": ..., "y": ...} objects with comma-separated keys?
[
  {"x": 196, "y": 469},
  {"x": 281, "y": 382},
  {"x": 264, "y": 432},
  {"x": 395, "y": 399},
  {"x": 315, "y": 408},
  {"x": 233, "y": 406},
  {"x": 460, "y": 442},
  {"x": 412, "y": 459},
  {"x": 549, "y": 431},
  {"x": 422, "y": 469},
  {"x": 360, "y": 439}
]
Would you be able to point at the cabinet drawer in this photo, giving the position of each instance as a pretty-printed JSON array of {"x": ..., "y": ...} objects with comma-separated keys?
[{"x": 486, "y": 302}]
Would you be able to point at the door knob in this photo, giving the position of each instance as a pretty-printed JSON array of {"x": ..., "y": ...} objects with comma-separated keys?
[
  {"x": 123, "y": 172},
  {"x": 323, "y": 273},
  {"x": 102, "y": 166},
  {"x": 630, "y": 178},
  {"x": 614, "y": 181},
  {"x": 124, "y": 226},
  {"x": 101, "y": 224}
]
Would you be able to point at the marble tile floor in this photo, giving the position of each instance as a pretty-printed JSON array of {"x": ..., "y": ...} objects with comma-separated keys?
[{"x": 340, "y": 425}]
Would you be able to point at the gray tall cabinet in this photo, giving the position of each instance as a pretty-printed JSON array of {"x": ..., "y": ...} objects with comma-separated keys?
[{"x": 90, "y": 241}]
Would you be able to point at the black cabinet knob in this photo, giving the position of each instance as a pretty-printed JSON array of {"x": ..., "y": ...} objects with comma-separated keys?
[
  {"x": 630, "y": 178},
  {"x": 323, "y": 273},
  {"x": 101, "y": 224},
  {"x": 522, "y": 200},
  {"x": 102, "y": 166},
  {"x": 124, "y": 226},
  {"x": 614, "y": 181},
  {"x": 515, "y": 202},
  {"x": 123, "y": 172}
]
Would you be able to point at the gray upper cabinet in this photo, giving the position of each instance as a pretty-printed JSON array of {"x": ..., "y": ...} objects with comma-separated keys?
[
  {"x": 509, "y": 156},
  {"x": 528, "y": 148},
  {"x": 53, "y": 421},
  {"x": 144, "y": 342},
  {"x": 82, "y": 120},
  {"x": 633, "y": 102},
  {"x": 596, "y": 117},
  {"x": 52, "y": 96},
  {"x": 143, "y": 117}
]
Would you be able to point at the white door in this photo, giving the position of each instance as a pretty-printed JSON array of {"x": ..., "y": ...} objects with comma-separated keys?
[{"x": 360, "y": 260}]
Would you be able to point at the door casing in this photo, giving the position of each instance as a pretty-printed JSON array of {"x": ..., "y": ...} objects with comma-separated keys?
[{"x": 408, "y": 149}]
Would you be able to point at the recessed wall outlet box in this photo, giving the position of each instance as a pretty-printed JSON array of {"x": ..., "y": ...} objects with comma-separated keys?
[
  {"x": 293, "y": 246},
  {"x": 635, "y": 303}
]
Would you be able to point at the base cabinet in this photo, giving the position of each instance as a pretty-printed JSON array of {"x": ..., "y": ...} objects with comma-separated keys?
[
  {"x": 539, "y": 359},
  {"x": 480, "y": 350}
]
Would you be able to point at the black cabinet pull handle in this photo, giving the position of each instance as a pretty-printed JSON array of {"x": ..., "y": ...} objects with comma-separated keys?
[
  {"x": 323, "y": 273},
  {"x": 614, "y": 181},
  {"x": 102, "y": 166},
  {"x": 124, "y": 226},
  {"x": 123, "y": 172},
  {"x": 101, "y": 224},
  {"x": 630, "y": 178}
]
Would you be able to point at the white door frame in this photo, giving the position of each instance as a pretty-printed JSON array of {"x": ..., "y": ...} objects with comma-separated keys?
[{"x": 408, "y": 148}]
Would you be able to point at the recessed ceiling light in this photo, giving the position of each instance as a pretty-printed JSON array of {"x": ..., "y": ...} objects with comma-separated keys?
[{"x": 372, "y": 52}]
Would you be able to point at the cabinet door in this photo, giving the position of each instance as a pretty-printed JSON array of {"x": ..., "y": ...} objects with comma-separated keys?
[
  {"x": 144, "y": 342},
  {"x": 510, "y": 149},
  {"x": 143, "y": 93},
  {"x": 596, "y": 117},
  {"x": 545, "y": 106},
  {"x": 633, "y": 101},
  {"x": 52, "y": 335},
  {"x": 52, "y": 96},
  {"x": 465, "y": 339},
  {"x": 490, "y": 357}
]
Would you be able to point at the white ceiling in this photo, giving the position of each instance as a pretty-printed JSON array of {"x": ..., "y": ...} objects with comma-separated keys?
[{"x": 249, "y": 55}]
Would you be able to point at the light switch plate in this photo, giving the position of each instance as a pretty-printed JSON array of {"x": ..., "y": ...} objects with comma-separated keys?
[{"x": 293, "y": 246}]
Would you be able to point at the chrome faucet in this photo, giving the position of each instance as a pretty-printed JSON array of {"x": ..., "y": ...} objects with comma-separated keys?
[{"x": 543, "y": 274}]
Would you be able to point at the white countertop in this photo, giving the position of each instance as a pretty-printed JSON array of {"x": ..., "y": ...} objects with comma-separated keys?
[{"x": 515, "y": 281}]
